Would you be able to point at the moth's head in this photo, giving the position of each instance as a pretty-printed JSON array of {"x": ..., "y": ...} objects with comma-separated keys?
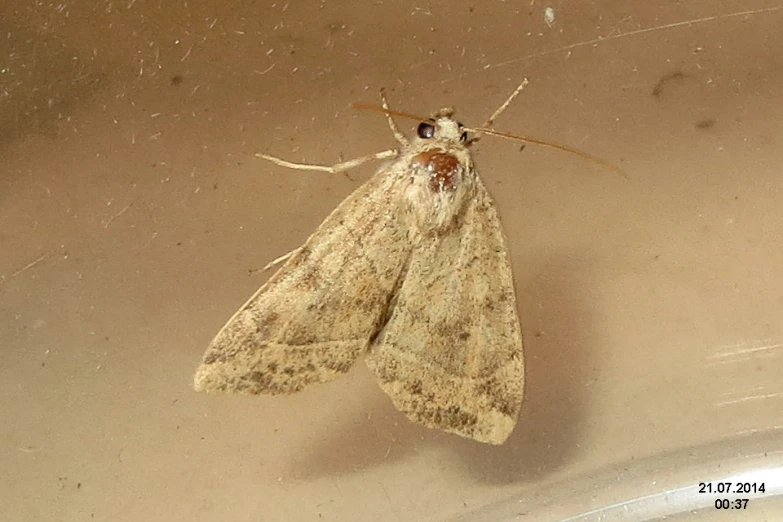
[
  {"x": 442, "y": 127},
  {"x": 440, "y": 155}
]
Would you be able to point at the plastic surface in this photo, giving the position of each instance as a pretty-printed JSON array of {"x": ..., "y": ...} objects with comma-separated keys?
[{"x": 135, "y": 219}]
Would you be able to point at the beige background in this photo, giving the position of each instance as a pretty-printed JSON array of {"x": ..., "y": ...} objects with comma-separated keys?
[{"x": 134, "y": 220}]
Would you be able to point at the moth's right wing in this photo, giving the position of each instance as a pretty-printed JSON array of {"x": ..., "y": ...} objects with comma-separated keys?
[
  {"x": 451, "y": 356},
  {"x": 316, "y": 315}
]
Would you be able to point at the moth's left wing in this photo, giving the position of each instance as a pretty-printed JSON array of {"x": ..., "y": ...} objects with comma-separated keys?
[
  {"x": 450, "y": 356},
  {"x": 319, "y": 312}
]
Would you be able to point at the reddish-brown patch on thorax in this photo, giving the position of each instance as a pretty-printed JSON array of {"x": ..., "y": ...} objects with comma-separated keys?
[{"x": 444, "y": 169}]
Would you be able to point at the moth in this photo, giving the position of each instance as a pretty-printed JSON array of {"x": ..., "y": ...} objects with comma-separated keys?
[{"x": 410, "y": 271}]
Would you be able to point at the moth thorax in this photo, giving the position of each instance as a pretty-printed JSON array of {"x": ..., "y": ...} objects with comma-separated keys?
[{"x": 445, "y": 171}]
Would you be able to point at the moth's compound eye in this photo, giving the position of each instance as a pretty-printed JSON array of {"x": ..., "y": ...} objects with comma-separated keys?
[
  {"x": 463, "y": 137},
  {"x": 426, "y": 130}
]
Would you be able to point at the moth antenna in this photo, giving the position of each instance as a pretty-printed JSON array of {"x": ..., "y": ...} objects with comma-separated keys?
[
  {"x": 376, "y": 108},
  {"x": 527, "y": 139},
  {"x": 506, "y": 135},
  {"x": 505, "y": 105}
]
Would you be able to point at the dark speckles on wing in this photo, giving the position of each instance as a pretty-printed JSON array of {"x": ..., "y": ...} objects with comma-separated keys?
[
  {"x": 493, "y": 389},
  {"x": 297, "y": 336},
  {"x": 211, "y": 357},
  {"x": 265, "y": 322},
  {"x": 339, "y": 366},
  {"x": 309, "y": 281},
  {"x": 261, "y": 379},
  {"x": 453, "y": 417},
  {"x": 415, "y": 388}
]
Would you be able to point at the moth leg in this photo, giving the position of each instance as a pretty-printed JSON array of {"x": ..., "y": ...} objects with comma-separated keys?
[
  {"x": 502, "y": 108},
  {"x": 400, "y": 137},
  {"x": 339, "y": 167},
  {"x": 281, "y": 259}
]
